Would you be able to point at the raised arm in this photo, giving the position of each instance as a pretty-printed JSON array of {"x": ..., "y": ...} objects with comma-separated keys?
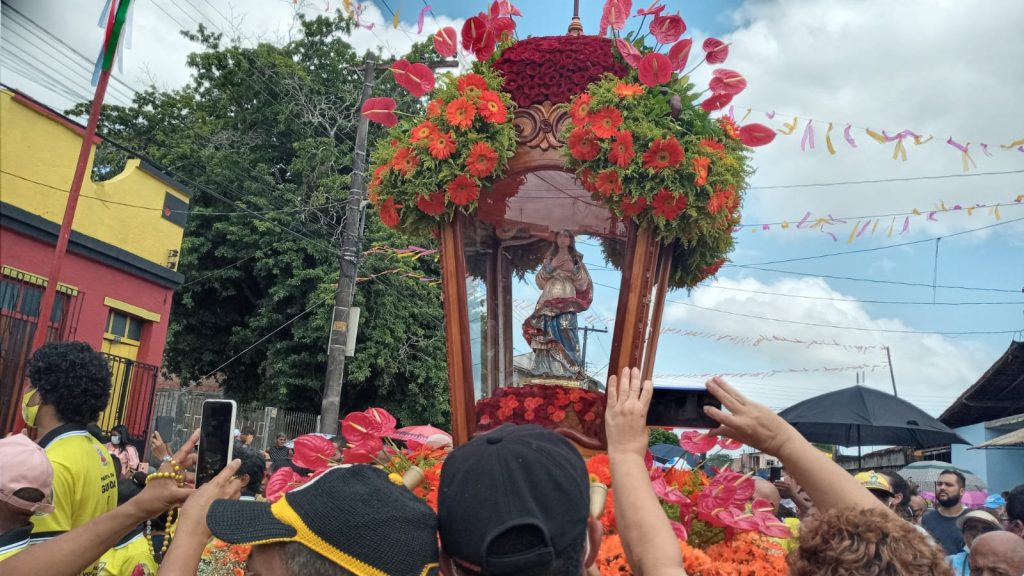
[{"x": 647, "y": 537}]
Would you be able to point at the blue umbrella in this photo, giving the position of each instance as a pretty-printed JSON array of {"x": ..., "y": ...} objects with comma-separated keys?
[{"x": 666, "y": 452}]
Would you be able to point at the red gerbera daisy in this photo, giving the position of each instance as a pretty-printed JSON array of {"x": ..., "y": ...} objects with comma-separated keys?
[
  {"x": 729, "y": 127},
  {"x": 580, "y": 109},
  {"x": 700, "y": 166},
  {"x": 583, "y": 144},
  {"x": 668, "y": 205},
  {"x": 404, "y": 161},
  {"x": 492, "y": 108},
  {"x": 389, "y": 213},
  {"x": 586, "y": 177},
  {"x": 435, "y": 108},
  {"x": 431, "y": 204},
  {"x": 663, "y": 153},
  {"x": 606, "y": 121},
  {"x": 608, "y": 183},
  {"x": 377, "y": 178},
  {"x": 471, "y": 81},
  {"x": 481, "y": 160},
  {"x": 720, "y": 198},
  {"x": 462, "y": 190},
  {"x": 460, "y": 113},
  {"x": 623, "y": 90},
  {"x": 712, "y": 145},
  {"x": 442, "y": 145},
  {"x": 423, "y": 131},
  {"x": 621, "y": 152},
  {"x": 633, "y": 208}
]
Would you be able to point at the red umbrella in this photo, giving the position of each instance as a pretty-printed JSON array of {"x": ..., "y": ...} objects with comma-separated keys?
[{"x": 417, "y": 435}]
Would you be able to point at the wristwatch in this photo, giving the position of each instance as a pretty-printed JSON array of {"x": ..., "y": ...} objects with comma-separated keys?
[{"x": 166, "y": 459}]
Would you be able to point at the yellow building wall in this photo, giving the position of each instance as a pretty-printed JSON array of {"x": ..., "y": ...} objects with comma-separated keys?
[{"x": 37, "y": 162}]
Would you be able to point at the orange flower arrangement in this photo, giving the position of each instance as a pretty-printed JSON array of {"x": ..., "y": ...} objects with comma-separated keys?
[
  {"x": 460, "y": 113},
  {"x": 744, "y": 555},
  {"x": 624, "y": 90}
]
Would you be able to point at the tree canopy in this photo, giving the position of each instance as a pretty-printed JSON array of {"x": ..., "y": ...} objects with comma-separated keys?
[{"x": 263, "y": 137}]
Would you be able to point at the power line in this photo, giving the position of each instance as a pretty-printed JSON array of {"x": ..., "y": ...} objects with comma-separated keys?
[
  {"x": 875, "y": 281},
  {"x": 884, "y": 180},
  {"x": 892, "y": 214},
  {"x": 900, "y": 302},
  {"x": 218, "y": 271}
]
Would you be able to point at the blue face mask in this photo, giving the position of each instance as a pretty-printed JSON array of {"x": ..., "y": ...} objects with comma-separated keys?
[{"x": 115, "y": 439}]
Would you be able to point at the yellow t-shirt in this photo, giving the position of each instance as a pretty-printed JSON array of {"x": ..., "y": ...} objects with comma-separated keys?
[
  {"x": 122, "y": 559},
  {"x": 84, "y": 482},
  {"x": 14, "y": 541}
]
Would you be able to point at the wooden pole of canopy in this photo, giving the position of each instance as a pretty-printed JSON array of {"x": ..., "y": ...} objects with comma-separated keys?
[{"x": 456, "y": 331}]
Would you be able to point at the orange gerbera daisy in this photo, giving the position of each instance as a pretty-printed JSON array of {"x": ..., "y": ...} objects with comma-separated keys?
[
  {"x": 729, "y": 127},
  {"x": 423, "y": 131},
  {"x": 482, "y": 160},
  {"x": 580, "y": 109},
  {"x": 442, "y": 145},
  {"x": 389, "y": 213},
  {"x": 471, "y": 81},
  {"x": 492, "y": 108},
  {"x": 462, "y": 190},
  {"x": 712, "y": 145},
  {"x": 668, "y": 205},
  {"x": 431, "y": 204},
  {"x": 633, "y": 208},
  {"x": 583, "y": 144},
  {"x": 663, "y": 153},
  {"x": 435, "y": 108},
  {"x": 720, "y": 198},
  {"x": 608, "y": 183},
  {"x": 606, "y": 121},
  {"x": 621, "y": 152},
  {"x": 460, "y": 113},
  {"x": 404, "y": 161},
  {"x": 623, "y": 90},
  {"x": 700, "y": 167}
]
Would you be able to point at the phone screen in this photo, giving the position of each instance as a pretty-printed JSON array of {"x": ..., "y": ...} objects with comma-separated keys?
[
  {"x": 215, "y": 441},
  {"x": 681, "y": 408}
]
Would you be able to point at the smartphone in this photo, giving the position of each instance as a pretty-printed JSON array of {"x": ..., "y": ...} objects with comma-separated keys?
[
  {"x": 681, "y": 408},
  {"x": 775, "y": 473},
  {"x": 215, "y": 439}
]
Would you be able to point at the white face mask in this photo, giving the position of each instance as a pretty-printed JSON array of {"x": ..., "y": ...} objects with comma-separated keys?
[{"x": 115, "y": 439}]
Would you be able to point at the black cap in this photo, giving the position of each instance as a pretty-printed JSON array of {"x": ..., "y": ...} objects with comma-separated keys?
[
  {"x": 512, "y": 478},
  {"x": 352, "y": 515}
]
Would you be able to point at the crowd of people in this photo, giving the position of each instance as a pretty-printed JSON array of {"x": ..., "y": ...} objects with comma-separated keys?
[{"x": 515, "y": 500}]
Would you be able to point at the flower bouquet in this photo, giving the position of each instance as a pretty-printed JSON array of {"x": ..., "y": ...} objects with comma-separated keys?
[{"x": 549, "y": 406}]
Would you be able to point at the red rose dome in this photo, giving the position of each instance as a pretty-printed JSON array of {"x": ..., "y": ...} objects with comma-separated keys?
[{"x": 556, "y": 68}]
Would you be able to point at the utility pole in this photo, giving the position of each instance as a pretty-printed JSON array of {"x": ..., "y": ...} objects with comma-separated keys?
[
  {"x": 586, "y": 332},
  {"x": 892, "y": 376},
  {"x": 351, "y": 244}
]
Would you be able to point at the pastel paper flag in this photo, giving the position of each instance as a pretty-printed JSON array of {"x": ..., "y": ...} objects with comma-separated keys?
[
  {"x": 849, "y": 137},
  {"x": 965, "y": 154},
  {"x": 789, "y": 128},
  {"x": 419, "y": 19},
  {"x": 876, "y": 136},
  {"x": 906, "y": 225},
  {"x": 770, "y": 115},
  {"x": 984, "y": 148},
  {"x": 394, "y": 18},
  {"x": 808, "y": 138},
  {"x": 828, "y": 140},
  {"x": 744, "y": 119},
  {"x": 1013, "y": 144}
]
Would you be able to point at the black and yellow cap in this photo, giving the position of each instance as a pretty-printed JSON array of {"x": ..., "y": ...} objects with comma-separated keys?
[{"x": 354, "y": 516}]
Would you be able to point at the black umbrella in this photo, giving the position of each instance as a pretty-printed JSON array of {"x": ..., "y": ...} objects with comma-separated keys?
[
  {"x": 666, "y": 452},
  {"x": 861, "y": 416}
]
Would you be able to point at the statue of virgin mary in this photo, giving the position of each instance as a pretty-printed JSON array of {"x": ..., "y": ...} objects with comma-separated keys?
[{"x": 551, "y": 330}]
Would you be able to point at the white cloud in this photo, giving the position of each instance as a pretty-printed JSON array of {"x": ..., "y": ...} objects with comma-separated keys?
[{"x": 930, "y": 370}]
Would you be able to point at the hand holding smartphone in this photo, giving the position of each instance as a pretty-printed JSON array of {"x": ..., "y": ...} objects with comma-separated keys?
[
  {"x": 681, "y": 408},
  {"x": 216, "y": 443}
]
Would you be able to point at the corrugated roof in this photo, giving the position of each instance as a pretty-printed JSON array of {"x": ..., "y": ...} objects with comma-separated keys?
[
  {"x": 1012, "y": 440},
  {"x": 999, "y": 392},
  {"x": 1004, "y": 422}
]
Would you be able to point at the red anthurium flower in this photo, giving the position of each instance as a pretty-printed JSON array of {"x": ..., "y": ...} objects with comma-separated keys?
[
  {"x": 716, "y": 102},
  {"x": 667, "y": 492},
  {"x": 654, "y": 69},
  {"x": 738, "y": 519},
  {"x": 281, "y": 482},
  {"x": 423, "y": 131},
  {"x": 471, "y": 81},
  {"x": 696, "y": 442},
  {"x": 460, "y": 113},
  {"x": 313, "y": 451},
  {"x": 633, "y": 208},
  {"x": 653, "y": 10},
  {"x": 491, "y": 108},
  {"x": 725, "y": 442},
  {"x": 445, "y": 42},
  {"x": 700, "y": 166},
  {"x": 629, "y": 52},
  {"x": 431, "y": 204},
  {"x": 614, "y": 15},
  {"x": 756, "y": 134},
  {"x": 669, "y": 206},
  {"x": 663, "y": 153},
  {"x": 478, "y": 37},
  {"x": 667, "y": 29},
  {"x": 648, "y": 459},
  {"x": 606, "y": 121},
  {"x": 679, "y": 53},
  {"x": 678, "y": 528},
  {"x": 743, "y": 484},
  {"x": 583, "y": 144},
  {"x": 503, "y": 8},
  {"x": 365, "y": 452},
  {"x": 725, "y": 81},
  {"x": 621, "y": 152},
  {"x": 421, "y": 79},
  {"x": 357, "y": 427},
  {"x": 383, "y": 422},
  {"x": 482, "y": 160},
  {"x": 380, "y": 110},
  {"x": 442, "y": 145},
  {"x": 767, "y": 523},
  {"x": 715, "y": 50},
  {"x": 462, "y": 190},
  {"x": 580, "y": 109},
  {"x": 608, "y": 183},
  {"x": 389, "y": 213}
]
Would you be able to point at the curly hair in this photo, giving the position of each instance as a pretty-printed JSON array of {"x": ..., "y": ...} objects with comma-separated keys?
[
  {"x": 73, "y": 378},
  {"x": 864, "y": 542}
]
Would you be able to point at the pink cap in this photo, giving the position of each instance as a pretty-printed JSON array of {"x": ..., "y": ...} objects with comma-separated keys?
[{"x": 25, "y": 465}]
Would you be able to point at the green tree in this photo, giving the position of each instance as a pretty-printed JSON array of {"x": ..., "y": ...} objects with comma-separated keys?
[{"x": 271, "y": 127}]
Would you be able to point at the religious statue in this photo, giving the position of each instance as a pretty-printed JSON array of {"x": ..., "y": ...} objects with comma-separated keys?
[{"x": 551, "y": 330}]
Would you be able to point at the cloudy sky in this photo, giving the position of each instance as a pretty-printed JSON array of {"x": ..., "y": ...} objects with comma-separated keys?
[{"x": 940, "y": 68}]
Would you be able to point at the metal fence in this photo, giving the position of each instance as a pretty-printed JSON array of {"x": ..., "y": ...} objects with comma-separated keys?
[{"x": 178, "y": 412}]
